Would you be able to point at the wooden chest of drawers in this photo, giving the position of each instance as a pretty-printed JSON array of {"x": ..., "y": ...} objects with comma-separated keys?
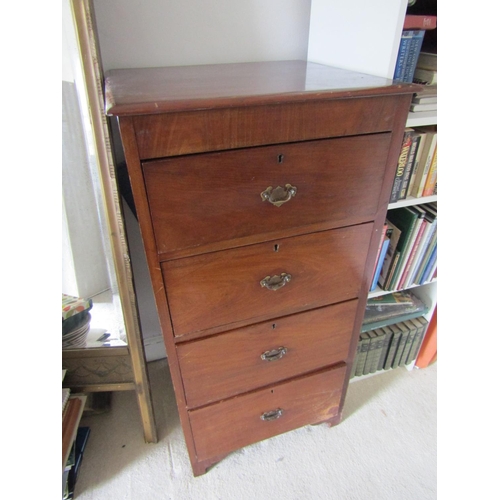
[{"x": 261, "y": 191}]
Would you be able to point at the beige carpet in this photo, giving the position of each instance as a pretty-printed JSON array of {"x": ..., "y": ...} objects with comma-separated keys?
[{"x": 385, "y": 449}]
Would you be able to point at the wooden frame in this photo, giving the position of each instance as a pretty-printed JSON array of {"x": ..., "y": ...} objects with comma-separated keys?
[{"x": 126, "y": 366}]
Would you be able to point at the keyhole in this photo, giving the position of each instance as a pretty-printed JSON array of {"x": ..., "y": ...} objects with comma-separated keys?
[
  {"x": 276, "y": 248},
  {"x": 281, "y": 158},
  {"x": 274, "y": 326}
]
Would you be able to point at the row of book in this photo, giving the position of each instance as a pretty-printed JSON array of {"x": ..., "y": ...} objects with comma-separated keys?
[
  {"x": 425, "y": 99},
  {"x": 389, "y": 346},
  {"x": 408, "y": 249},
  {"x": 412, "y": 37},
  {"x": 416, "y": 172}
]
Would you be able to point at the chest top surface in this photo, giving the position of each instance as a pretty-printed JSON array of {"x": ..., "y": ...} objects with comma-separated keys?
[{"x": 183, "y": 88}]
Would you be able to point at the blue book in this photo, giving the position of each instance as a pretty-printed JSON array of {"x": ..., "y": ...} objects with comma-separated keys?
[
  {"x": 417, "y": 38},
  {"x": 380, "y": 262},
  {"x": 404, "y": 48},
  {"x": 429, "y": 267}
]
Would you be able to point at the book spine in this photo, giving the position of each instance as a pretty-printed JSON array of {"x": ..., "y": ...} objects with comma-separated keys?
[
  {"x": 363, "y": 351},
  {"x": 355, "y": 361},
  {"x": 403, "y": 282},
  {"x": 425, "y": 259},
  {"x": 387, "y": 337},
  {"x": 371, "y": 352},
  {"x": 419, "y": 324},
  {"x": 396, "y": 339},
  {"x": 381, "y": 258},
  {"x": 415, "y": 139},
  {"x": 401, "y": 346},
  {"x": 409, "y": 342},
  {"x": 381, "y": 242},
  {"x": 379, "y": 341},
  {"x": 430, "y": 267},
  {"x": 413, "y": 53},
  {"x": 427, "y": 166},
  {"x": 420, "y": 22},
  {"x": 431, "y": 176},
  {"x": 400, "y": 170},
  {"x": 404, "y": 46}
]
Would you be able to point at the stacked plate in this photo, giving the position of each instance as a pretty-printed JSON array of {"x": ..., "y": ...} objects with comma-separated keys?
[{"x": 77, "y": 337}]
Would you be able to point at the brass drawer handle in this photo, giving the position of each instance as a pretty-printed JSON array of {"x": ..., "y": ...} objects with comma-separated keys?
[
  {"x": 274, "y": 354},
  {"x": 271, "y": 415},
  {"x": 276, "y": 281},
  {"x": 279, "y": 195}
]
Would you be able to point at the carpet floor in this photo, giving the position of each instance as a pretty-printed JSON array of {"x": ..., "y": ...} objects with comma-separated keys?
[{"x": 385, "y": 448}]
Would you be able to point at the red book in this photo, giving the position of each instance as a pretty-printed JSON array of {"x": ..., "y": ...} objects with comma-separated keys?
[
  {"x": 428, "y": 350},
  {"x": 416, "y": 22}
]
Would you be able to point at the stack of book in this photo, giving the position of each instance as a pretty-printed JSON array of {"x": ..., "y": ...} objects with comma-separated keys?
[
  {"x": 411, "y": 256},
  {"x": 416, "y": 172},
  {"x": 426, "y": 69},
  {"x": 389, "y": 346},
  {"x": 412, "y": 38}
]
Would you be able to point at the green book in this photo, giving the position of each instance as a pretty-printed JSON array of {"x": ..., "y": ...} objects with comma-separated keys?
[
  {"x": 355, "y": 360},
  {"x": 421, "y": 324},
  {"x": 405, "y": 218},
  {"x": 402, "y": 344},
  {"x": 371, "y": 352},
  {"x": 387, "y": 337},
  {"x": 412, "y": 330},
  {"x": 381, "y": 335},
  {"x": 364, "y": 340},
  {"x": 391, "y": 351},
  {"x": 397, "y": 341}
]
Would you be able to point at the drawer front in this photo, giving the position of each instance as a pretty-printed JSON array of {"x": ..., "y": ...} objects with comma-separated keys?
[
  {"x": 197, "y": 131},
  {"x": 248, "y": 358},
  {"x": 229, "y": 425},
  {"x": 237, "y": 194},
  {"x": 267, "y": 280}
]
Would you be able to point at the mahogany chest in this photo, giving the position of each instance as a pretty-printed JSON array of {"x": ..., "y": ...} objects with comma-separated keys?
[{"x": 261, "y": 191}]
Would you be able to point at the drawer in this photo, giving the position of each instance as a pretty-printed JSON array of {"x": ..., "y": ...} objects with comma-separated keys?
[
  {"x": 248, "y": 358},
  {"x": 204, "y": 199},
  {"x": 223, "y": 427},
  {"x": 258, "y": 282}
]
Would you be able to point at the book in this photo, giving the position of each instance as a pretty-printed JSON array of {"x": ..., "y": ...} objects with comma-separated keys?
[
  {"x": 418, "y": 156},
  {"x": 417, "y": 38},
  {"x": 410, "y": 164},
  {"x": 424, "y": 99},
  {"x": 377, "y": 351},
  {"x": 402, "y": 58},
  {"x": 431, "y": 218},
  {"x": 425, "y": 161},
  {"x": 425, "y": 259},
  {"x": 364, "y": 340},
  {"x": 420, "y": 325},
  {"x": 385, "y": 347},
  {"x": 396, "y": 339},
  {"x": 431, "y": 176},
  {"x": 379, "y": 249},
  {"x": 391, "y": 351},
  {"x": 380, "y": 313},
  {"x": 425, "y": 76},
  {"x": 355, "y": 360},
  {"x": 406, "y": 218},
  {"x": 402, "y": 344},
  {"x": 415, "y": 21},
  {"x": 412, "y": 330},
  {"x": 370, "y": 356},
  {"x": 391, "y": 249},
  {"x": 380, "y": 261},
  {"x": 423, "y": 106},
  {"x": 430, "y": 267},
  {"x": 427, "y": 60},
  {"x": 400, "y": 169}
]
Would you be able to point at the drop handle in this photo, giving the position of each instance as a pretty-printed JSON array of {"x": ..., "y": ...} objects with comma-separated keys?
[
  {"x": 274, "y": 354},
  {"x": 278, "y": 195},
  {"x": 271, "y": 415},
  {"x": 275, "y": 282}
]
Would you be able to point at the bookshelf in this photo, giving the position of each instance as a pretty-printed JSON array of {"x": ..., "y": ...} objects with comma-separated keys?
[{"x": 327, "y": 31}]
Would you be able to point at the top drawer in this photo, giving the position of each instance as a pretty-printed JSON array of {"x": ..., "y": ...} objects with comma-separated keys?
[{"x": 204, "y": 199}]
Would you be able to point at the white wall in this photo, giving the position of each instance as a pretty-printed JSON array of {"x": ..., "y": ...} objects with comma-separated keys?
[
  {"x": 359, "y": 35},
  {"x": 144, "y": 33}
]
